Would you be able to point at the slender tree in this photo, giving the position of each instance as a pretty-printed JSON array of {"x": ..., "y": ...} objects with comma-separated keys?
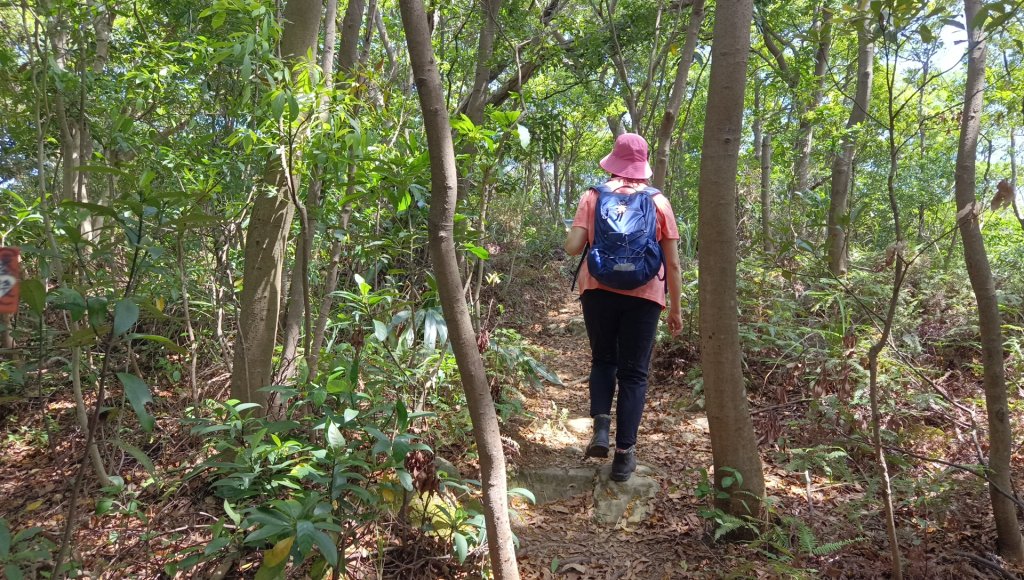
[
  {"x": 675, "y": 98},
  {"x": 1010, "y": 543},
  {"x": 267, "y": 234},
  {"x": 766, "y": 193},
  {"x": 733, "y": 442},
  {"x": 453, "y": 302},
  {"x": 842, "y": 164},
  {"x": 298, "y": 293}
]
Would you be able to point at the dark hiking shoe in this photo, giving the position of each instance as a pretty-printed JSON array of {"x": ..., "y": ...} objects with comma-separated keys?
[
  {"x": 623, "y": 465},
  {"x": 598, "y": 446}
]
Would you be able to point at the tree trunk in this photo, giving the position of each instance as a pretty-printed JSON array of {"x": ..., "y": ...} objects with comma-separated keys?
[
  {"x": 757, "y": 125},
  {"x": 675, "y": 98},
  {"x": 843, "y": 162},
  {"x": 766, "y": 190},
  {"x": 267, "y": 236},
  {"x": 1010, "y": 543},
  {"x": 346, "y": 63},
  {"x": 484, "y": 51},
  {"x": 298, "y": 293},
  {"x": 453, "y": 302},
  {"x": 805, "y": 132},
  {"x": 733, "y": 443}
]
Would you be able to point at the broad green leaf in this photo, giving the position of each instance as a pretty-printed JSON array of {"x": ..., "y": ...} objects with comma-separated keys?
[
  {"x": 138, "y": 395},
  {"x": 278, "y": 555},
  {"x": 126, "y": 314},
  {"x": 524, "y": 136},
  {"x": 138, "y": 454},
  {"x": 364, "y": 288},
  {"x": 477, "y": 251},
  {"x": 334, "y": 437},
  {"x": 328, "y": 547},
  {"x": 522, "y": 491},
  {"x": 461, "y": 546},
  {"x": 380, "y": 330},
  {"x": 927, "y": 36},
  {"x": 216, "y": 545},
  {"x": 405, "y": 478},
  {"x": 70, "y": 300},
  {"x": 34, "y": 294},
  {"x": 97, "y": 307}
]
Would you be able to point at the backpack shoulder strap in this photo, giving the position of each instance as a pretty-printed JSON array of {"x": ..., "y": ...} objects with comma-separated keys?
[{"x": 602, "y": 189}]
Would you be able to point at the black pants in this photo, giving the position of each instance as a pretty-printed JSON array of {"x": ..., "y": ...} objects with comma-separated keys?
[{"x": 621, "y": 330}]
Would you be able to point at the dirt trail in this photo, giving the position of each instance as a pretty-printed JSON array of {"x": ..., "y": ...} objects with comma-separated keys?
[{"x": 560, "y": 538}]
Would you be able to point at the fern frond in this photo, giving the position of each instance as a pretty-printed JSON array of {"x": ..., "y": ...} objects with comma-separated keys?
[{"x": 833, "y": 547}]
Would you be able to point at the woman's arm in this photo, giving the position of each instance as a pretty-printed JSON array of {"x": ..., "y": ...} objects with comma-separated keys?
[
  {"x": 673, "y": 274},
  {"x": 576, "y": 240}
]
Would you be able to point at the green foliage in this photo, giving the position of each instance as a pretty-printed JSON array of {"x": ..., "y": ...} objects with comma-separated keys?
[{"x": 25, "y": 553}]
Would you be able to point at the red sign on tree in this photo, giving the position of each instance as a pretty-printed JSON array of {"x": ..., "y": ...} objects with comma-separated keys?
[{"x": 10, "y": 274}]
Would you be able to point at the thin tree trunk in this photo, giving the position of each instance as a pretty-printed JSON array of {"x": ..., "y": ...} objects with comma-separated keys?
[
  {"x": 298, "y": 296},
  {"x": 733, "y": 443},
  {"x": 766, "y": 190},
  {"x": 805, "y": 132},
  {"x": 267, "y": 236},
  {"x": 876, "y": 428},
  {"x": 675, "y": 98},
  {"x": 757, "y": 125},
  {"x": 346, "y": 64},
  {"x": 442, "y": 250},
  {"x": 1009, "y": 540},
  {"x": 484, "y": 52},
  {"x": 838, "y": 211}
]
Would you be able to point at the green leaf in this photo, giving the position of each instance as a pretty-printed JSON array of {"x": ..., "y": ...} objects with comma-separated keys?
[
  {"x": 461, "y": 546},
  {"x": 218, "y": 20},
  {"x": 138, "y": 454},
  {"x": 216, "y": 545},
  {"x": 126, "y": 314},
  {"x": 264, "y": 533},
  {"x": 402, "y": 414},
  {"x": 477, "y": 251},
  {"x": 70, "y": 300},
  {"x": 13, "y": 572},
  {"x": 334, "y": 437},
  {"x": 97, "y": 307},
  {"x": 5, "y": 539},
  {"x": 34, "y": 294},
  {"x": 327, "y": 547},
  {"x": 349, "y": 415},
  {"x": 405, "y": 478},
  {"x": 927, "y": 36},
  {"x": 159, "y": 339},
  {"x": 524, "y": 136},
  {"x": 235, "y": 516},
  {"x": 364, "y": 288},
  {"x": 523, "y": 492},
  {"x": 138, "y": 395},
  {"x": 380, "y": 330}
]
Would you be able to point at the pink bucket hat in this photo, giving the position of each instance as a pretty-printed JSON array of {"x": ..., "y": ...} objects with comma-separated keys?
[{"x": 628, "y": 158}]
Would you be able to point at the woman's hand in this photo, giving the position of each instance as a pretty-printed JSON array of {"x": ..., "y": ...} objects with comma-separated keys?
[{"x": 675, "y": 321}]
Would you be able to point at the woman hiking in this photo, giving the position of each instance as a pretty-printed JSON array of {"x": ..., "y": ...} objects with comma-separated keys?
[{"x": 633, "y": 260}]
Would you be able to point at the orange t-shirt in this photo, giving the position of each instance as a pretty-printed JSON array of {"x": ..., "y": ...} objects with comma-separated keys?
[{"x": 666, "y": 230}]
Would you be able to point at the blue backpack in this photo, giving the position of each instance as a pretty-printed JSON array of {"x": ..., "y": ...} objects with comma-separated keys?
[{"x": 625, "y": 254}]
